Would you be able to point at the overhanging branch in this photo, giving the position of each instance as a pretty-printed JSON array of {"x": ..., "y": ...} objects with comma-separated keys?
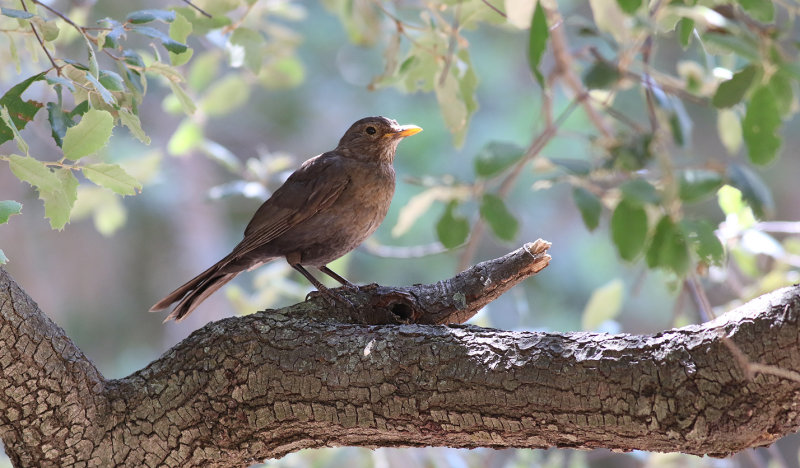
[{"x": 243, "y": 389}]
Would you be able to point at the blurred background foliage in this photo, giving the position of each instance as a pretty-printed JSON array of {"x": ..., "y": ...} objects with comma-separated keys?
[{"x": 650, "y": 142}]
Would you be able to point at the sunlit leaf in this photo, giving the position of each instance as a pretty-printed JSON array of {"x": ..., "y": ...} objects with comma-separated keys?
[
  {"x": 759, "y": 10},
  {"x": 493, "y": 210},
  {"x": 589, "y": 206},
  {"x": 251, "y": 43},
  {"x": 225, "y": 95},
  {"x": 59, "y": 201},
  {"x": 89, "y": 135},
  {"x": 3, "y": 258},
  {"x": 187, "y": 137},
  {"x": 187, "y": 104},
  {"x": 452, "y": 230},
  {"x": 754, "y": 190},
  {"x": 760, "y": 126},
  {"x": 180, "y": 29},
  {"x": 730, "y": 130},
  {"x": 629, "y": 228},
  {"x": 421, "y": 203},
  {"x": 133, "y": 123},
  {"x": 112, "y": 177},
  {"x": 146, "y": 16},
  {"x": 21, "y": 112},
  {"x": 705, "y": 243},
  {"x": 604, "y": 304},
  {"x": 34, "y": 172},
  {"x": 6, "y": 119}
]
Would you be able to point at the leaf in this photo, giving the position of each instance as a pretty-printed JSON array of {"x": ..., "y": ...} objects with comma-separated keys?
[
  {"x": 9, "y": 122},
  {"x": 743, "y": 46},
  {"x": 732, "y": 91},
  {"x": 589, "y": 206},
  {"x": 495, "y": 157},
  {"x": 537, "y": 42},
  {"x": 452, "y": 230},
  {"x": 696, "y": 184},
  {"x": 112, "y": 177},
  {"x": 187, "y": 137},
  {"x": 601, "y": 75},
  {"x": 705, "y": 243},
  {"x": 111, "y": 80},
  {"x": 760, "y": 126},
  {"x": 668, "y": 249},
  {"x": 759, "y": 10},
  {"x": 493, "y": 210},
  {"x": 640, "y": 191},
  {"x": 629, "y": 228},
  {"x": 59, "y": 121},
  {"x": 59, "y": 201},
  {"x": 187, "y": 104},
  {"x": 105, "y": 94},
  {"x": 685, "y": 29},
  {"x": 604, "y": 304},
  {"x": 250, "y": 44},
  {"x": 180, "y": 29},
  {"x": 3, "y": 258},
  {"x": 112, "y": 38},
  {"x": 781, "y": 86},
  {"x": 34, "y": 172},
  {"x": 89, "y": 135},
  {"x": 419, "y": 204},
  {"x": 454, "y": 110},
  {"x": 9, "y": 208},
  {"x": 629, "y": 6},
  {"x": 133, "y": 123},
  {"x": 21, "y": 112},
  {"x": 170, "y": 44},
  {"x": 575, "y": 166},
  {"x": 754, "y": 191},
  {"x": 225, "y": 95},
  {"x": 146, "y": 16},
  {"x": 19, "y": 14},
  {"x": 730, "y": 130}
]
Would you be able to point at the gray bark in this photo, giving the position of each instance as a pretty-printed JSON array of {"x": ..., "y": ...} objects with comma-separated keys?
[{"x": 244, "y": 389}]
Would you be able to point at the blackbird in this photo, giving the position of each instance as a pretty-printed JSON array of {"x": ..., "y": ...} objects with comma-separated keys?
[{"x": 325, "y": 209}]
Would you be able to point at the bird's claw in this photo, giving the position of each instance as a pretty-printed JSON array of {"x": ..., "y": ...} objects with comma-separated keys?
[{"x": 331, "y": 297}]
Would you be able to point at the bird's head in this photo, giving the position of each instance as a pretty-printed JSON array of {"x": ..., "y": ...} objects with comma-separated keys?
[{"x": 374, "y": 138}]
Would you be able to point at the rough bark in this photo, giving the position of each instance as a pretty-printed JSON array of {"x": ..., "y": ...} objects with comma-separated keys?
[{"x": 244, "y": 389}]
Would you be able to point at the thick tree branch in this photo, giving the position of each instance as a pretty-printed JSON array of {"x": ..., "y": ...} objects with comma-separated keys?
[{"x": 244, "y": 389}]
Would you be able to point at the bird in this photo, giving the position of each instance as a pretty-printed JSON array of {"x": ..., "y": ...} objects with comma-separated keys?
[{"x": 323, "y": 210}]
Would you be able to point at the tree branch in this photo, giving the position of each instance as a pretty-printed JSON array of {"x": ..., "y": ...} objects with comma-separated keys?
[{"x": 248, "y": 388}]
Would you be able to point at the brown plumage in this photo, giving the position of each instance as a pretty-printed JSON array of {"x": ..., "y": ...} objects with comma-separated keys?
[{"x": 325, "y": 209}]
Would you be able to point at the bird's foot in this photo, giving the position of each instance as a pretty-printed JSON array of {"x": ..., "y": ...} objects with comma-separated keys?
[{"x": 331, "y": 297}]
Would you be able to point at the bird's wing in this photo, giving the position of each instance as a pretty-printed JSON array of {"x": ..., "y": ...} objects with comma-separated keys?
[{"x": 310, "y": 189}]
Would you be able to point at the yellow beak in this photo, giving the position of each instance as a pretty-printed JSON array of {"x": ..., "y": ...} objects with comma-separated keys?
[{"x": 403, "y": 131}]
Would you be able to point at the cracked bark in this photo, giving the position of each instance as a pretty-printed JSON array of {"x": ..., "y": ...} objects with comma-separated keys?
[{"x": 244, "y": 389}]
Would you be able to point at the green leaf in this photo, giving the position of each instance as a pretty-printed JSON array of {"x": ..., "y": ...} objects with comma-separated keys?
[
  {"x": 495, "y": 157},
  {"x": 112, "y": 177},
  {"x": 640, "y": 191},
  {"x": 59, "y": 201},
  {"x": 696, "y": 184},
  {"x": 89, "y": 135},
  {"x": 225, "y": 95},
  {"x": 454, "y": 110},
  {"x": 170, "y": 44},
  {"x": 9, "y": 208},
  {"x": 730, "y": 130},
  {"x": 59, "y": 121},
  {"x": 251, "y": 43},
  {"x": 34, "y": 172},
  {"x": 759, "y": 10},
  {"x": 537, "y": 42},
  {"x": 705, "y": 243},
  {"x": 21, "y": 112},
  {"x": 9, "y": 122},
  {"x": 112, "y": 38},
  {"x": 105, "y": 94},
  {"x": 732, "y": 91},
  {"x": 589, "y": 206},
  {"x": 629, "y": 228},
  {"x": 19, "y": 14},
  {"x": 111, "y": 80},
  {"x": 604, "y": 304},
  {"x": 146, "y": 16},
  {"x": 754, "y": 191},
  {"x": 575, "y": 166},
  {"x": 760, "y": 126},
  {"x": 133, "y": 123},
  {"x": 629, "y": 6},
  {"x": 493, "y": 210},
  {"x": 3, "y": 258},
  {"x": 685, "y": 29},
  {"x": 187, "y": 137},
  {"x": 601, "y": 75},
  {"x": 668, "y": 249},
  {"x": 48, "y": 30},
  {"x": 452, "y": 230},
  {"x": 781, "y": 86},
  {"x": 180, "y": 30},
  {"x": 743, "y": 46},
  {"x": 187, "y": 104}
]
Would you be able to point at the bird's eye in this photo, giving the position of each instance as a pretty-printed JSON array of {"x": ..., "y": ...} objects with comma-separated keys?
[{"x": 371, "y": 130}]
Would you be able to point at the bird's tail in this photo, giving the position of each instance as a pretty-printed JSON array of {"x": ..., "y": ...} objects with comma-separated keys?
[{"x": 195, "y": 291}]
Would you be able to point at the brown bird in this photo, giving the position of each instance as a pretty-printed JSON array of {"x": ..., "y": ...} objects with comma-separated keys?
[{"x": 325, "y": 209}]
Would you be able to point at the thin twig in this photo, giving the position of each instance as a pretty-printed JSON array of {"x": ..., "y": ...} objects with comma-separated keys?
[
  {"x": 497, "y": 10},
  {"x": 41, "y": 42},
  {"x": 699, "y": 297},
  {"x": 451, "y": 47},
  {"x": 751, "y": 368},
  {"x": 202, "y": 12}
]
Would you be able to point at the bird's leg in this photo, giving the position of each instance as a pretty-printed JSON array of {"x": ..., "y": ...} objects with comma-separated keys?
[
  {"x": 332, "y": 296},
  {"x": 337, "y": 277}
]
